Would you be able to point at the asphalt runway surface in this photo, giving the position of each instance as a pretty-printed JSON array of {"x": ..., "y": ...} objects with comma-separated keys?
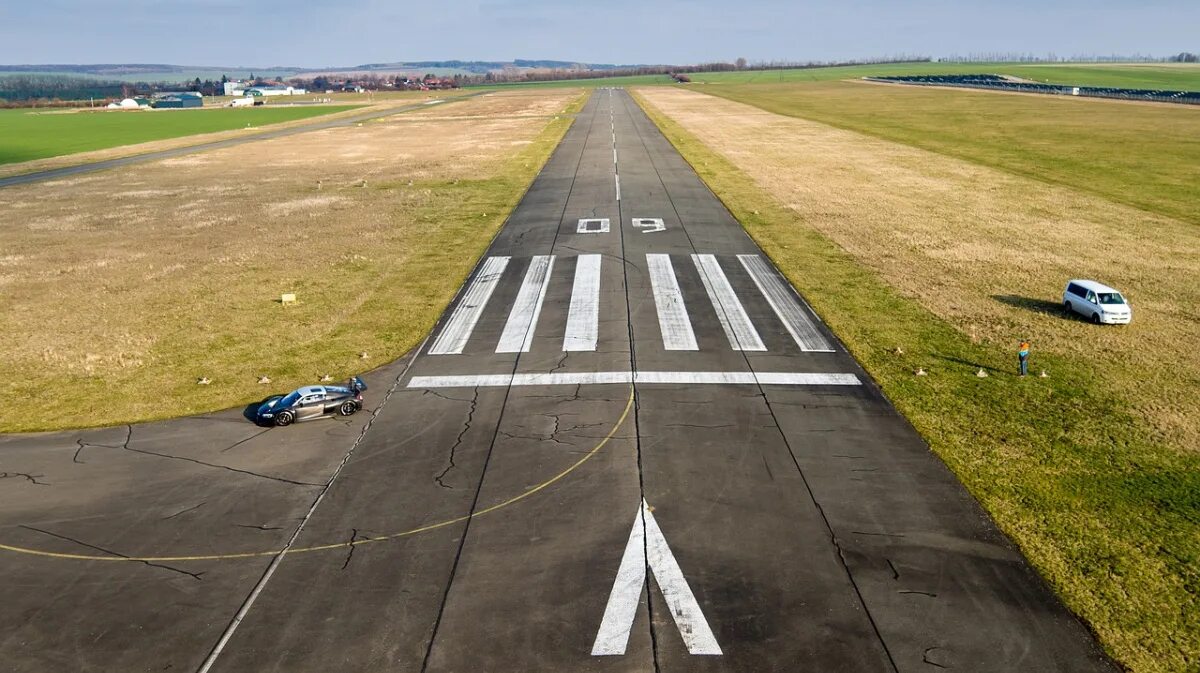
[
  {"x": 53, "y": 173},
  {"x": 628, "y": 445}
]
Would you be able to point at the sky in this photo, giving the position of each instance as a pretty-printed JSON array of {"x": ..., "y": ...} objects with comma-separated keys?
[{"x": 320, "y": 33}]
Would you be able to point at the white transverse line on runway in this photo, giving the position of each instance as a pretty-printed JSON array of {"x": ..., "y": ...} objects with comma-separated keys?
[
  {"x": 596, "y": 378},
  {"x": 583, "y": 316},
  {"x": 738, "y": 328},
  {"x": 458, "y": 328},
  {"x": 785, "y": 304},
  {"x": 522, "y": 320},
  {"x": 647, "y": 547},
  {"x": 673, "y": 321}
]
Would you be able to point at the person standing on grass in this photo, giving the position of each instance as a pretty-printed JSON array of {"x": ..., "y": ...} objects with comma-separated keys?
[{"x": 1023, "y": 356}]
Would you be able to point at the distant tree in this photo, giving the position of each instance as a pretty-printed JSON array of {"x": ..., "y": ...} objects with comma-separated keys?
[{"x": 740, "y": 63}]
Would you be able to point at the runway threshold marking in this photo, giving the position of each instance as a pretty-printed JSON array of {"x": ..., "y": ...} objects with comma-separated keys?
[
  {"x": 673, "y": 320},
  {"x": 523, "y": 318},
  {"x": 351, "y": 543},
  {"x": 583, "y": 315},
  {"x": 641, "y": 377},
  {"x": 786, "y": 305},
  {"x": 647, "y": 548},
  {"x": 738, "y": 328},
  {"x": 458, "y": 328}
]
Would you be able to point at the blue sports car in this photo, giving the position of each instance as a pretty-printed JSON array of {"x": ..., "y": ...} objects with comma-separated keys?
[{"x": 309, "y": 402}]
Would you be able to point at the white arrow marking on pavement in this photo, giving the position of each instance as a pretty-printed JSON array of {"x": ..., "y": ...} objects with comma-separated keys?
[
  {"x": 648, "y": 547},
  {"x": 649, "y": 225}
]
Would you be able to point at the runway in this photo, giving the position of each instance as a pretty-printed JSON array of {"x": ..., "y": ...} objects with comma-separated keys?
[{"x": 628, "y": 445}]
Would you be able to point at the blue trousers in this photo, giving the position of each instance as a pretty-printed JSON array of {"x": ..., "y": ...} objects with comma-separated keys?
[{"x": 1024, "y": 363}]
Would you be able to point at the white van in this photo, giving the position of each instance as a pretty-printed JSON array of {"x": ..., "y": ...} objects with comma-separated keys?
[{"x": 1097, "y": 302}]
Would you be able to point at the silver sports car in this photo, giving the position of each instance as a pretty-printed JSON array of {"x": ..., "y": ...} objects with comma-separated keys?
[{"x": 309, "y": 402}]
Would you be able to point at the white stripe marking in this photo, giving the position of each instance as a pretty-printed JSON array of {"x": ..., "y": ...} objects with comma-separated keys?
[
  {"x": 597, "y": 378},
  {"x": 618, "y": 177},
  {"x": 738, "y": 328},
  {"x": 458, "y": 328},
  {"x": 786, "y": 305},
  {"x": 673, "y": 319},
  {"x": 648, "y": 547},
  {"x": 583, "y": 317},
  {"x": 523, "y": 319},
  {"x": 614, "y": 156}
]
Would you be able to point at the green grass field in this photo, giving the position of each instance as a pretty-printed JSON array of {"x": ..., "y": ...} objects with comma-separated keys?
[
  {"x": 1145, "y": 156},
  {"x": 28, "y": 135},
  {"x": 1108, "y": 512},
  {"x": 1184, "y": 76},
  {"x": 1153, "y": 76}
]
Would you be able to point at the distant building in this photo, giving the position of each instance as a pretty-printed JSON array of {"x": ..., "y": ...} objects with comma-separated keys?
[
  {"x": 265, "y": 91},
  {"x": 182, "y": 99},
  {"x": 235, "y": 88},
  {"x": 130, "y": 104}
]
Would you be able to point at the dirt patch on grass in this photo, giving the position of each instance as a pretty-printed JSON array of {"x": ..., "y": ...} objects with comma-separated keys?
[
  {"x": 124, "y": 288},
  {"x": 987, "y": 250}
]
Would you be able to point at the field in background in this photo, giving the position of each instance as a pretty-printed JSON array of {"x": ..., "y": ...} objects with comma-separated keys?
[
  {"x": 39, "y": 134},
  {"x": 128, "y": 285},
  {"x": 1140, "y": 154},
  {"x": 1093, "y": 471},
  {"x": 1177, "y": 76}
]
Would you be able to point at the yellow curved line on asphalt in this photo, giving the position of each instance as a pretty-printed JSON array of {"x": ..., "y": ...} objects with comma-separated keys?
[{"x": 342, "y": 545}]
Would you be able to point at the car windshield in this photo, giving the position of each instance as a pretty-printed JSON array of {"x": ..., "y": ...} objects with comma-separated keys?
[
  {"x": 289, "y": 400},
  {"x": 1111, "y": 298}
]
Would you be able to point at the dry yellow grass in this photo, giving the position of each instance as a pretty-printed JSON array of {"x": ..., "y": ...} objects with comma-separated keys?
[
  {"x": 119, "y": 289},
  {"x": 984, "y": 249},
  {"x": 392, "y": 101}
]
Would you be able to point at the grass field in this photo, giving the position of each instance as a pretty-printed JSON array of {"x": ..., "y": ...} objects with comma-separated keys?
[
  {"x": 1185, "y": 76},
  {"x": 30, "y": 135},
  {"x": 1093, "y": 471},
  {"x": 130, "y": 284},
  {"x": 1143, "y": 155}
]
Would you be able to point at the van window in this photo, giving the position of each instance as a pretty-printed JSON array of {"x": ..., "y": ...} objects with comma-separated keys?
[
  {"x": 1076, "y": 290},
  {"x": 1111, "y": 298}
]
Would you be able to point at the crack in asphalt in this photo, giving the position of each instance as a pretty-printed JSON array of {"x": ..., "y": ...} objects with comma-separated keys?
[
  {"x": 354, "y": 536},
  {"x": 31, "y": 478},
  {"x": 458, "y": 442},
  {"x": 243, "y": 441},
  {"x": 258, "y": 527},
  {"x": 184, "y": 511},
  {"x": 895, "y": 573},
  {"x": 921, "y": 593},
  {"x": 195, "y": 576},
  {"x": 860, "y": 532},
  {"x": 444, "y": 397}
]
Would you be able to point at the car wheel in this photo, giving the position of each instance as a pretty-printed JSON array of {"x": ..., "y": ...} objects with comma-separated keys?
[
  {"x": 1095, "y": 318},
  {"x": 284, "y": 418},
  {"x": 1067, "y": 306},
  {"x": 347, "y": 408}
]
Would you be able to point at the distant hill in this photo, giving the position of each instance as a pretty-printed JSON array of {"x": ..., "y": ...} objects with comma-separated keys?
[{"x": 163, "y": 72}]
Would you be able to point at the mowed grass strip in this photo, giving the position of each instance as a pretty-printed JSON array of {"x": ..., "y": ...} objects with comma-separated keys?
[
  {"x": 121, "y": 289},
  {"x": 40, "y": 134},
  {"x": 1140, "y": 154},
  {"x": 1090, "y": 471}
]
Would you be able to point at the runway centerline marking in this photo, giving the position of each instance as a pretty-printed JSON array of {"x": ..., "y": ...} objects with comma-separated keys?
[
  {"x": 673, "y": 320},
  {"x": 583, "y": 315},
  {"x": 647, "y": 549},
  {"x": 458, "y": 328},
  {"x": 738, "y": 328},
  {"x": 523, "y": 319},
  {"x": 640, "y": 377}
]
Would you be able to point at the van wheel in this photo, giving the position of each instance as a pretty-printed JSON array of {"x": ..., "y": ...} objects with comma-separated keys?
[
  {"x": 1095, "y": 318},
  {"x": 1067, "y": 306}
]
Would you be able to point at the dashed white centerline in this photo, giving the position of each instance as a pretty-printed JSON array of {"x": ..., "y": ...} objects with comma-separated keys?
[
  {"x": 673, "y": 321},
  {"x": 583, "y": 316},
  {"x": 738, "y": 328},
  {"x": 646, "y": 377},
  {"x": 458, "y": 328},
  {"x": 522, "y": 320},
  {"x": 618, "y": 181}
]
